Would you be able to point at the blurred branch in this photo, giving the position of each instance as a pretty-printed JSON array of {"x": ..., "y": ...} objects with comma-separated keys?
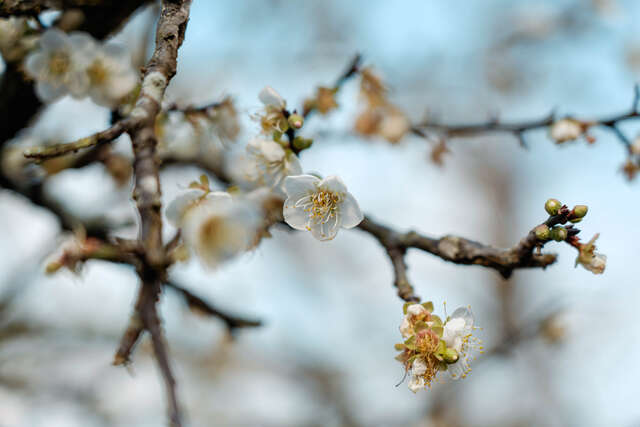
[
  {"x": 50, "y": 151},
  {"x": 199, "y": 305},
  {"x": 350, "y": 71},
  {"x": 519, "y": 129}
]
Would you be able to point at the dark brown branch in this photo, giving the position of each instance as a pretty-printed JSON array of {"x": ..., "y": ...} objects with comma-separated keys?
[
  {"x": 199, "y": 305},
  {"x": 151, "y": 322},
  {"x": 140, "y": 126},
  {"x": 454, "y": 249}
]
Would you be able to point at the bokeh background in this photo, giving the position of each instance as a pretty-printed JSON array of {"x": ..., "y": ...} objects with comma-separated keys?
[{"x": 562, "y": 343}]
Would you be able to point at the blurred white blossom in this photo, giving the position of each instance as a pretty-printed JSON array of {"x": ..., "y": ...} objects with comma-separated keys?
[
  {"x": 59, "y": 65},
  {"x": 111, "y": 75},
  {"x": 269, "y": 163},
  {"x": 320, "y": 206}
]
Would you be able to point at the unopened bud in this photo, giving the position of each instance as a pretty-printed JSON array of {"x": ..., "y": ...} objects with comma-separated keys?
[
  {"x": 301, "y": 143},
  {"x": 295, "y": 121},
  {"x": 559, "y": 234},
  {"x": 580, "y": 211},
  {"x": 52, "y": 267},
  {"x": 552, "y": 206},
  {"x": 543, "y": 232},
  {"x": 450, "y": 355}
]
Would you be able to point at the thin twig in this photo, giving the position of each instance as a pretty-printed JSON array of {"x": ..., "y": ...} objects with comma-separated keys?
[{"x": 199, "y": 305}]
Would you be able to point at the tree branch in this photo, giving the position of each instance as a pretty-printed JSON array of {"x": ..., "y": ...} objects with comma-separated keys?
[
  {"x": 199, "y": 305},
  {"x": 457, "y": 250}
]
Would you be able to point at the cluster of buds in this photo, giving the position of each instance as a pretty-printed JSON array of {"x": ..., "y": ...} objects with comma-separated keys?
[
  {"x": 380, "y": 116},
  {"x": 432, "y": 346},
  {"x": 569, "y": 129},
  {"x": 559, "y": 232},
  {"x": 554, "y": 229}
]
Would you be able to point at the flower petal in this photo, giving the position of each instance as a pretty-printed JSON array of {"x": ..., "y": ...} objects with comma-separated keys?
[
  {"x": 333, "y": 183},
  {"x": 324, "y": 231},
  {"x": 177, "y": 208},
  {"x": 300, "y": 185},
  {"x": 296, "y": 217},
  {"x": 35, "y": 64},
  {"x": 350, "y": 211},
  {"x": 48, "y": 92},
  {"x": 269, "y": 96},
  {"x": 53, "y": 39}
]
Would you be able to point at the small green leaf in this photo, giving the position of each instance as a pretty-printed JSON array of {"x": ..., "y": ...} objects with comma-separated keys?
[
  {"x": 436, "y": 320},
  {"x": 428, "y": 305},
  {"x": 411, "y": 343},
  {"x": 406, "y": 306},
  {"x": 438, "y": 330},
  {"x": 420, "y": 326},
  {"x": 204, "y": 180},
  {"x": 399, "y": 347}
]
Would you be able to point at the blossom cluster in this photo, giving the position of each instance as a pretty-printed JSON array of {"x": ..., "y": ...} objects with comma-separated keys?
[
  {"x": 380, "y": 117},
  {"x": 78, "y": 65},
  {"x": 432, "y": 345},
  {"x": 217, "y": 225}
]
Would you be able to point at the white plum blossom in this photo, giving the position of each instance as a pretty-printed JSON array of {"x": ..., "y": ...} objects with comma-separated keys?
[
  {"x": 179, "y": 207},
  {"x": 458, "y": 335},
  {"x": 59, "y": 65},
  {"x": 111, "y": 75},
  {"x": 272, "y": 118},
  {"x": 320, "y": 206},
  {"x": 417, "y": 380},
  {"x": 214, "y": 225},
  {"x": 220, "y": 228},
  {"x": 269, "y": 163}
]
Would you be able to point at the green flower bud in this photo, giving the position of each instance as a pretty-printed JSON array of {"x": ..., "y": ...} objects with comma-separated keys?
[
  {"x": 301, "y": 143},
  {"x": 53, "y": 267},
  {"x": 559, "y": 233},
  {"x": 579, "y": 211},
  {"x": 450, "y": 355},
  {"x": 552, "y": 206},
  {"x": 575, "y": 220},
  {"x": 543, "y": 232},
  {"x": 295, "y": 121}
]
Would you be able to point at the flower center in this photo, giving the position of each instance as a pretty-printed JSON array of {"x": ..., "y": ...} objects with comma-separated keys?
[
  {"x": 97, "y": 73},
  {"x": 59, "y": 63},
  {"x": 324, "y": 205}
]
